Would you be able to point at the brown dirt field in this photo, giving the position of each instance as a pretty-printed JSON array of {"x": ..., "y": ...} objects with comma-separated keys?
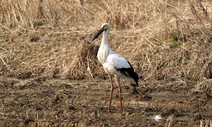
[{"x": 54, "y": 102}]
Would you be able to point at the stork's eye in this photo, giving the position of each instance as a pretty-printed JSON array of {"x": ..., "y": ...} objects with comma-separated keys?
[{"x": 105, "y": 27}]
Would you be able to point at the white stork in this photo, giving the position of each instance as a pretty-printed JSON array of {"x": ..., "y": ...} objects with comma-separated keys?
[{"x": 114, "y": 64}]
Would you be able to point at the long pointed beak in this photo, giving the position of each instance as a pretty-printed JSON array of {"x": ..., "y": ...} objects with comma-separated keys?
[{"x": 98, "y": 33}]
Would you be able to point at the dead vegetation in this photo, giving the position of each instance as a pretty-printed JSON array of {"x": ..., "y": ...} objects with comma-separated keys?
[{"x": 164, "y": 40}]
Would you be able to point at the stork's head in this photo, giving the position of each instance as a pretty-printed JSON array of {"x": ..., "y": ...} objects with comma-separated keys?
[{"x": 105, "y": 27}]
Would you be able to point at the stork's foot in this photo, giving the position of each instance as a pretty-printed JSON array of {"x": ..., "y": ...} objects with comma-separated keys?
[
  {"x": 112, "y": 111},
  {"x": 108, "y": 110}
]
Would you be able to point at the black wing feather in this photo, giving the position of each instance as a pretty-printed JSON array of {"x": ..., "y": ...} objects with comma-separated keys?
[{"x": 129, "y": 72}]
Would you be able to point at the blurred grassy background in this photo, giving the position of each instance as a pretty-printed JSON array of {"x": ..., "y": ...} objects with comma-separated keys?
[{"x": 163, "y": 39}]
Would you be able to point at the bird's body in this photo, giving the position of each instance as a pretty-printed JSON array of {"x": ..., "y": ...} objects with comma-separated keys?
[{"x": 114, "y": 64}]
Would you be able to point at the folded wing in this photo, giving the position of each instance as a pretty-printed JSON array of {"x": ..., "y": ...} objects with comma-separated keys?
[{"x": 123, "y": 66}]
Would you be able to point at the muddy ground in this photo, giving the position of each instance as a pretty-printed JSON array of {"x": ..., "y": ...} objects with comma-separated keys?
[{"x": 54, "y": 102}]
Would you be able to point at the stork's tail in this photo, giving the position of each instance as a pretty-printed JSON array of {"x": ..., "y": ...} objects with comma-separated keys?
[{"x": 135, "y": 77}]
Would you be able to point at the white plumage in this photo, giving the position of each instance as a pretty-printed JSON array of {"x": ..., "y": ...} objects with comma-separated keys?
[
  {"x": 114, "y": 64},
  {"x": 117, "y": 61}
]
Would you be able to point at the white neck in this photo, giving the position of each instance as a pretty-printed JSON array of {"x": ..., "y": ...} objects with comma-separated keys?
[
  {"x": 105, "y": 37},
  {"x": 104, "y": 48}
]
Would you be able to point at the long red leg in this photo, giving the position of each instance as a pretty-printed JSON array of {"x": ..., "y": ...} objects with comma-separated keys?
[
  {"x": 111, "y": 92},
  {"x": 121, "y": 109}
]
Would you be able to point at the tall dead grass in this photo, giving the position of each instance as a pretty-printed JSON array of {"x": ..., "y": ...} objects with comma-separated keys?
[{"x": 162, "y": 39}]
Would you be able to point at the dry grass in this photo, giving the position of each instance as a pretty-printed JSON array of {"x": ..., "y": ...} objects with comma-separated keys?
[
  {"x": 169, "y": 121},
  {"x": 204, "y": 86},
  {"x": 162, "y": 39},
  {"x": 205, "y": 123}
]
